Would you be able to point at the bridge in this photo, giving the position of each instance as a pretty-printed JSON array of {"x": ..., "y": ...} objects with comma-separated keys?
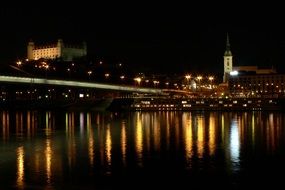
[{"x": 29, "y": 80}]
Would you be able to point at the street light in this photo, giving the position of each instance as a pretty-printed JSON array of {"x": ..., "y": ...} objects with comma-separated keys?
[
  {"x": 107, "y": 75},
  {"x": 188, "y": 77},
  {"x": 138, "y": 80},
  {"x": 19, "y": 63},
  {"x": 89, "y": 73},
  {"x": 155, "y": 83},
  {"x": 211, "y": 78},
  {"x": 199, "y": 78}
]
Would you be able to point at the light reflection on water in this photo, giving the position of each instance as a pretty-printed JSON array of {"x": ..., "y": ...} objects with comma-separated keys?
[
  {"x": 20, "y": 167},
  {"x": 234, "y": 144},
  {"x": 61, "y": 146}
]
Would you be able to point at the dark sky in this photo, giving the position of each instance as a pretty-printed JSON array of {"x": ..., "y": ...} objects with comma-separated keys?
[{"x": 168, "y": 37}]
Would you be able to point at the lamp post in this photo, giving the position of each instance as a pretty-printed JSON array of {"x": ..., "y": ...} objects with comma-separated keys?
[
  {"x": 19, "y": 63},
  {"x": 138, "y": 80},
  {"x": 155, "y": 83},
  {"x": 199, "y": 78},
  {"x": 211, "y": 78},
  {"x": 89, "y": 73},
  {"x": 188, "y": 77}
]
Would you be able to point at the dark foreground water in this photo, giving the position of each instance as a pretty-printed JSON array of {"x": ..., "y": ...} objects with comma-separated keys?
[{"x": 141, "y": 150}]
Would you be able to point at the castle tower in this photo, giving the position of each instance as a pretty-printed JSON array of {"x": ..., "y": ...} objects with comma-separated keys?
[
  {"x": 30, "y": 48},
  {"x": 60, "y": 47},
  {"x": 228, "y": 61}
]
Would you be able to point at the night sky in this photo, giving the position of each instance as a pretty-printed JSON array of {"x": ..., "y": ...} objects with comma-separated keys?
[{"x": 155, "y": 37}]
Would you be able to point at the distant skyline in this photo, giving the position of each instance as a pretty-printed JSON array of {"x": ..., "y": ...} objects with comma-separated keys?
[{"x": 166, "y": 38}]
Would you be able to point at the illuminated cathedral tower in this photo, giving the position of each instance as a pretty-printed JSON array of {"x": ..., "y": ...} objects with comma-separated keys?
[{"x": 228, "y": 61}]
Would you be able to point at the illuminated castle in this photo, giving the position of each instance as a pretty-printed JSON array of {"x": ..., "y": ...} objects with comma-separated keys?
[{"x": 57, "y": 50}]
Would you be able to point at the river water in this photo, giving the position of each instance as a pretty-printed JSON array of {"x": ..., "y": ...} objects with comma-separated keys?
[{"x": 141, "y": 150}]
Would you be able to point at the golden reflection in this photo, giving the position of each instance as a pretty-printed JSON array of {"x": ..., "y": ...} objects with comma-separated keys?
[
  {"x": 124, "y": 142},
  {"x": 147, "y": 132},
  {"x": 187, "y": 122},
  {"x": 37, "y": 162},
  {"x": 19, "y": 123},
  {"x": 29, "y": 124},
  {"x": 33, "y": 123},
  {"x": 48, "y": 156},
  {"x": 69, "y": 124},
  {"x": 253, "y": 128},
  {"x": 271, "y": 133},
  {"x": 147, "y": 121},
  {"x": 90, "y": 140},
  {"x": 5, "y": 125},
  {"x": 212, "y": 134},
  {"x": 156, "y": 133},
  {"x": 168, "y": 122},
  {"x": 139, "y": 138},
  {"x": 223, "y": 128},
  {"x": 20, "y": 168},
  {"x": 48, "y": 123},
  {"x": 71, "y": 145},
  {"x": 108, "y": 145},
  {"x": 176, "y": 128},
  {"x": 97, "y": 119},
  {"x": 200, "y": 136}
]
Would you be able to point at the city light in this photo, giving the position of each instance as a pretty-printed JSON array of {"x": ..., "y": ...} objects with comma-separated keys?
[
  {"x": 79, "y": 84},
  {"x": 19, "y": 63},
  {"x": 138, "y": 80},
  {"x": 199, "y": 78},
  {"x": 188, "y": 77},
  {"x": 234, "y": 73},
  {"x": 211, "y": 78}
]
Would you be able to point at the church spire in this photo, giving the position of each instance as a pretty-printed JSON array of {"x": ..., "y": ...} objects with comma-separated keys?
[
  {"x": 228, "y": 46},
  {"x": 228, "y": 61},
  {"x": 228, "y": 42}
]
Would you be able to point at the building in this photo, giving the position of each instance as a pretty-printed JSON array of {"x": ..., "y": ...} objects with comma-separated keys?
[
  {"x": 56, "y": 50},
  {"x": 228, "y": 61},
  {"x": 254, "y": 69},
  {"x": 257, "y": 82}
]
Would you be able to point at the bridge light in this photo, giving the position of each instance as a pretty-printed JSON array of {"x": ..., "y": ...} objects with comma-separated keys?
[{"x": 122, "y": 77}]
